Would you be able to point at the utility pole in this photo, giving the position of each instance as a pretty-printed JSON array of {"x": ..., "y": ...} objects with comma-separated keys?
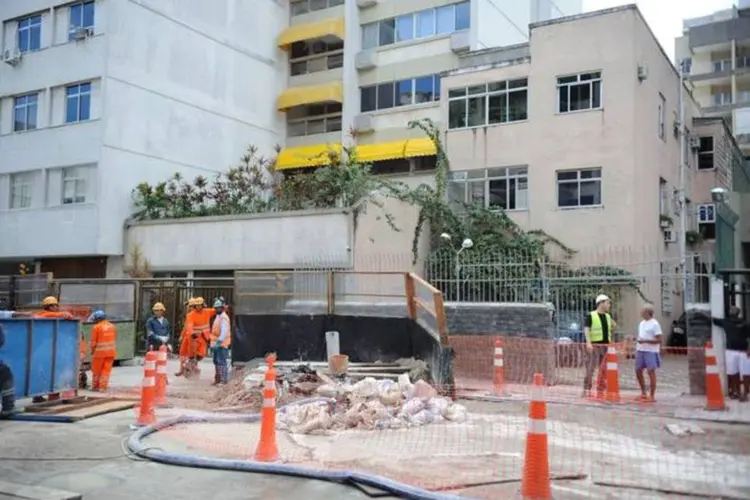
[{"x": 683, "y": 188}]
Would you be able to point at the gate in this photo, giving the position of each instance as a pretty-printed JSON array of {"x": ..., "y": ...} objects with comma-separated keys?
[
  {"x": 726, "y": 220},
  {"x": 175, "y": 294},
  {"x": 23, "y": 292}
]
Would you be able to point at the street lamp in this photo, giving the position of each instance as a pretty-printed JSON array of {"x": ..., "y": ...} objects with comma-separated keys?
[{"x": 465, "y": 245}]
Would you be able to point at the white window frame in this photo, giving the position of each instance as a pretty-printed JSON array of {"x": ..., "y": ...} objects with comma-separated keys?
[
  {"x": 301, "y": 7},
  {"x": 35, "y": 21},
  {"x": 722, "y": 98},
  {"x": 662, "y": 117},
  {"x": 22, "y": 102},
  {"x": 568, "y": 82},
  {"x": 21, "y": 190},
  {"x": 491, "y": 89},
  {"x": 76, "y": 24},
  {"x": 705, "y": 215},
  {"x": 373, "y": 28},
  {"x": 519, "y": 173},
  {"x": 396, "y": 102},
  {"x": 78, "y": 178},
  {"x": 78, "y": 96},
  {"x": 721, "y": 65},
  {"x": 313, "y": 63},
  {"x": 578, "y": 181}
]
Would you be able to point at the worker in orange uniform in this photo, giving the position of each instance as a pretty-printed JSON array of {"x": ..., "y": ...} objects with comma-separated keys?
[
  {"x": 196, "y": 337},
  {"x": 221, "y": 339},
  {"x": 83, "y": 380},
  {"x": 103, "y": 350},
  {"x": 183, "y": 334},
  {"x": 51, "y": 310}
]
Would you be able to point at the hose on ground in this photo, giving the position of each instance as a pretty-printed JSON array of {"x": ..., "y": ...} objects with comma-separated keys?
[{"x": 136, "y": 446}]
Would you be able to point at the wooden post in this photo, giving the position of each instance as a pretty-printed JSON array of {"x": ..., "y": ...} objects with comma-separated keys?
[
  {"x": 331, "y": 293},
  {"x": 442, "y": 325},
  {"x": 411, "y": 291}
]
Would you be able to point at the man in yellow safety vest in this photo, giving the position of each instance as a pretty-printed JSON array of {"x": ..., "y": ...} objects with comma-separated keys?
[{"x": 599, "y": 330}]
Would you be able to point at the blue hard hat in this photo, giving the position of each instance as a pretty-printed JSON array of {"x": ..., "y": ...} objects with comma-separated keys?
[{"x": 98, "y": 315}]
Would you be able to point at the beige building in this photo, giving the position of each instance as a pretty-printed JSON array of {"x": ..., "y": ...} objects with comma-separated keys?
[{"x": 716, "y": 54}]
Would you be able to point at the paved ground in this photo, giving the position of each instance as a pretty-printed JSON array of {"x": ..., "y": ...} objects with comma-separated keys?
[{"x": 601, "y": 444}]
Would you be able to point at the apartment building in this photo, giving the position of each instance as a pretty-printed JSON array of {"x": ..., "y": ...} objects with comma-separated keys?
[
  {"x": 97, "y": 96},
  {"x": 716, "y": 51}
]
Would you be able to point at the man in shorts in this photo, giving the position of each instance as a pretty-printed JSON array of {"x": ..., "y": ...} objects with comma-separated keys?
[
  {"x": 738, "y": 365},
  {"x": 647, "y": 353}
]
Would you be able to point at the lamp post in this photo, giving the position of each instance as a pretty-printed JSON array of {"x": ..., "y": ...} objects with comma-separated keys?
[{"x": 465, "y": 245}]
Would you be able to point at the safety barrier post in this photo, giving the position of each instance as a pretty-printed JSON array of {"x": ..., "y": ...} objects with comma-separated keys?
[
  {"x": 146, "y": 415},
  {"x": 498, "y": 377},
  {"x": 535, "y": 482},
  {"x": 613, "y": 378},
  {"x": 267, "y": 450},
  {"x": 714, "y": 394},
  {"x": 161, "y": 376}
]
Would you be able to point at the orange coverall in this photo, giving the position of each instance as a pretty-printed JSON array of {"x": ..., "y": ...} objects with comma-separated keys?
[
  {"x": 197, "y": 322},
  {"x": 59, "y": 315},
  {"x": 103, "y": 353}
]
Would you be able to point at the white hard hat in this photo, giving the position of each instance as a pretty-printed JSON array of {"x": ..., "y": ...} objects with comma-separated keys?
[{"x": 601, "y": 298}]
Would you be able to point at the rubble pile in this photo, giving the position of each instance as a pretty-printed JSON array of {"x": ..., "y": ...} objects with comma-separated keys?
[{"x": 371, "y": 404}]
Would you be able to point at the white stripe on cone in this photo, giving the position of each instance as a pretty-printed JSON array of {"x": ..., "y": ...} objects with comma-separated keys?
[
  {"x": 269, "y": 403},
  {"x": 537, "y": 426},
  {"x": 150, "y": 365},
  {"x": 537, "y": 394},
  {"x": 149, "y": 382},
  {"x": 611, "y": 366},
  {"x": 161, "y": 369},
  {"x": 498, "y": 351},
  {"x": 711, "y": 352},
  {"x": 269, "y": 384},
  {"x": 711, "y": 369},
  {"x": 611, "y": 350},
  {"x": 499, "y": 363}
]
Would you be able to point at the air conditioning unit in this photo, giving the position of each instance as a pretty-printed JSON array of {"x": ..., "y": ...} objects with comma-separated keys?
[
  {"x": 364, "y": 123},
  {"x": 12, "y": 56},
  {"x": 81, "y": 33},
  {"x": 642, "y": 72},
  {"x": 366, "y": 59},
  {"x": 669, "y": 236},
  {"x": 694, "y": 142}
]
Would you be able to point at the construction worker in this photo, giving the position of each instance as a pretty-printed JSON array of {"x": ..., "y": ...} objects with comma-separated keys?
[
  {"x": 183, "y": 334},
  {"x": 195, "y": 337},
  {"x": 51, "y": 310},
  {"x": 599, "y": 331},
  {"x": 158, "y": 329},
  {"x": 103, "y": 350},
  {"x": 221, "y": 339}
]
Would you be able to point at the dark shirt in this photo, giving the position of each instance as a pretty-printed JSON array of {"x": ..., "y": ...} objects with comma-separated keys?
[
  {"x": 154, "y": 326},
  {"x": 737, "y": 333},
  {"x": 605, "y": 328}
]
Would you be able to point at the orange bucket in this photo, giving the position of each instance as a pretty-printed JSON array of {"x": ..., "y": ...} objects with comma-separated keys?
[{"x": 338, "y": 364}]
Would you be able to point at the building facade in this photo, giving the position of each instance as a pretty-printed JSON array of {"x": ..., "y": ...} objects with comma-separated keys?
[
  {"x": 716, "y": 51},
  {"x": 98, "y": 96}
]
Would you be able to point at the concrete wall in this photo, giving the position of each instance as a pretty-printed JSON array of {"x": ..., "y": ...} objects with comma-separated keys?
[{"x": 275, "y": 241}]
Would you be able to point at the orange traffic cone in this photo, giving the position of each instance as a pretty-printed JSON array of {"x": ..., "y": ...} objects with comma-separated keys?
[
  {"x": 535, "y": 482},
  {"x": 267, "y": 450},
  {"x": 160, "y": 397},
  {"x": 714, "y": 394},
  {"x": 613, "y": 378},
  {"x": 498, "y": 375},
  {"x": 146, "y": 414}
]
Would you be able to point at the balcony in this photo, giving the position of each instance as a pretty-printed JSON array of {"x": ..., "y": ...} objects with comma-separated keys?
[
  {"x": 320, "y": 30},
  {"x": 719, "y": 74},
  {"x": 314, "y": 120},
  {"x": 311, "y": 7}
]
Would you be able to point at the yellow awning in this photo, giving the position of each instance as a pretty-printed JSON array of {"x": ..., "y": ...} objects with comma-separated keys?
[
  {"x": 408, "y": 148},
  {"x": 311, "y": 31},
  {"x": 313, "y": 94},
  {"x": 306, "y": 156}
]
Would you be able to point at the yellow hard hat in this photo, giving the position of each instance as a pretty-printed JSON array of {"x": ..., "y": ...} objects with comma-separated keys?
[
  {"x": 49, "y": 301},
  {"x": 191, "y": 301},
  {"x": 199, "y": 301},
  {"x": 159, "y": 307}
]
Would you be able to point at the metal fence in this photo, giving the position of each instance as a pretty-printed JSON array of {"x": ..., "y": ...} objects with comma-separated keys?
[
  {"x": 116, "y": 297},
  {"x": 22, "y": 292}
]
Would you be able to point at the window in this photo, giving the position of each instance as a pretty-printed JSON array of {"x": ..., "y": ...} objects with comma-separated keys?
[
  {"x": 73, "y": 185},
  {"x": 30, "y": 33},
  {"x": 404, "y": 165},
  {"x": 579, "y": 92},
  {"x": 743, "y": 61},
  {"x": 501, "y": 188},
  {"x": 579, "y": 188},
  {"x": 663, "y": 198},
  {"x": 305, "y": 6},
  {"x": 81, "y": 16},
  {"x": 311, "y": 57},
  {"x": 401, "y": 93},
  {"x": 707, "y": 221},
  {"x": 722, "y": 98},
  {"x": 662, "y": 117},
  {"x": 78, "y": 105},
  {"x": 687, "y": 65},
  {"x": 21, "y": 189},
  {"x": 314, "y": 119},
  {"x": 722, "y": 65},
  {"x": 488, "y": 104},
  {"x": 706, "y": 153},
  {"x": 422, "y": 24},
  {"x": 25, "y": 112}
]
